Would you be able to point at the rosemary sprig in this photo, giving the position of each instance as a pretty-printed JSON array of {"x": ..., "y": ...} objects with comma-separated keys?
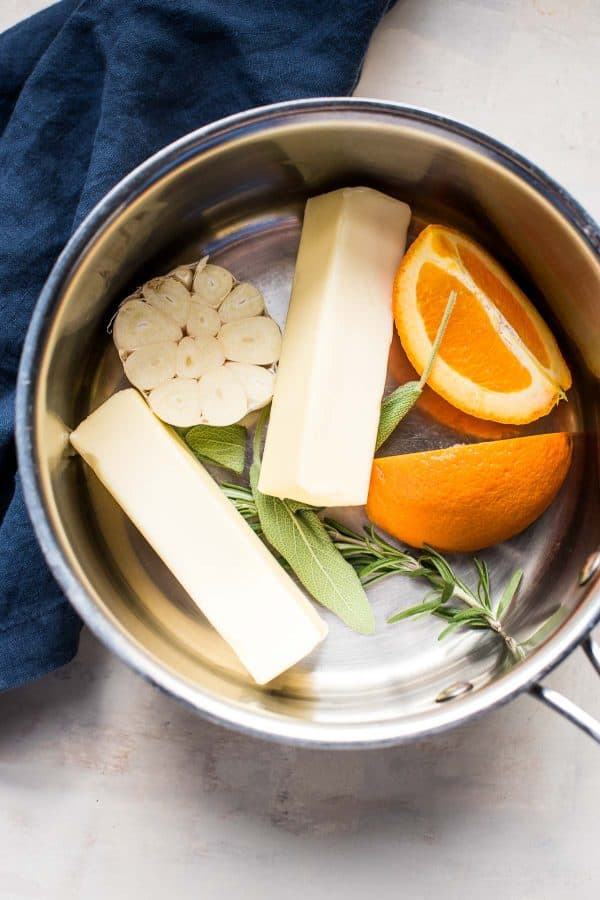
[
  {"x": 375, "y": 558},
  {"x": 450, "y": 598}
]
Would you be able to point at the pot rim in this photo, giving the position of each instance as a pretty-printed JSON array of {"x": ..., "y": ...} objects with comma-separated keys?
[{"x": 256, "y": 722}]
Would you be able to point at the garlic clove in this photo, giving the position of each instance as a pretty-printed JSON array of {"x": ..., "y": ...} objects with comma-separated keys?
[
  {"x": 138, "y": 324},
  {"x": 243, "y": 302},
  {"x": 170, "y": 297},
  {"x": 196, "y": 356},
  {"x": 147, "y": 367},
  {"x": 258, "y": 383},
  {"x": 223, "y": 399},
  {"x": 177, "y": 402},
  {"x": 211, "y": 285},
  {"x": 202, "y": 320},
  {"x": 184, "y": 274},
  {"x": 256, "y": 340}
]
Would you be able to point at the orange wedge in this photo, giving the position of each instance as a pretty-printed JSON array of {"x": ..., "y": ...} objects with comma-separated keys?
[
  {"x": 469, "y": 496},
  {"x": 498, "y": 359},
  {"x": 439, "y": 409}
]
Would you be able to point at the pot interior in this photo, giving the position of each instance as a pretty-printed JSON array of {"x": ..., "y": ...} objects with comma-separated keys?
[{"x": 238, "y": 194}]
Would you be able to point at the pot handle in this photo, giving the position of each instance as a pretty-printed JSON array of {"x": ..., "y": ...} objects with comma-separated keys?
[{"x": 561, "y": 704}]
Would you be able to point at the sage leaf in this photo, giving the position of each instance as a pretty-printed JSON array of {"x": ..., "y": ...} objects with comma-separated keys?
[
  {"x": 223, "y": 445},
  {"x": 297, "y": 533},
  {"x": 396, "y": 405}
]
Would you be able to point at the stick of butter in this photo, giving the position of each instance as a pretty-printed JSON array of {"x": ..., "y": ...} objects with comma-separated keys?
[
  {"x": 199, "y": 535},
  {"x": 323, "y": 425}
]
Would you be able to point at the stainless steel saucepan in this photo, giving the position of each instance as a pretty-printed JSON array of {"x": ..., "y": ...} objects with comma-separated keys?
[{"x": 236, "y": 189}]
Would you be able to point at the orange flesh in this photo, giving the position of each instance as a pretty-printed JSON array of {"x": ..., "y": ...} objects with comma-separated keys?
[
  {"x": 496, "y": 368},
  {"x": 439, "y": 409},
  {"x": 506, "y": 302},
  {"x": 441, "y": 245}
]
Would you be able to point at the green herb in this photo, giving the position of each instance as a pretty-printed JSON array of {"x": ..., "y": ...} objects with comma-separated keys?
[
  {"x": 244, "y": 502},
  {"x": 478, "y": 610},
  {"x": 450, "y": 598},
  {"x": 375, "y": 558},
  {"x": 225, "y": 446},
  {"x": 397, "y": 404},
  {"x": 296, "y": 532}
]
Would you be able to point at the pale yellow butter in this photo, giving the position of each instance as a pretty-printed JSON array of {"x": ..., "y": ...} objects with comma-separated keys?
[
  {"x": 323, "y": 425},
  {"x": 196, "y": 531}
]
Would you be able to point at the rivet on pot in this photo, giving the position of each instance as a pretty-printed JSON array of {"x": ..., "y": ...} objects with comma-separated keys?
[
  {"x": 591, "y": 568},
  {"x": 454, "y": 690}
]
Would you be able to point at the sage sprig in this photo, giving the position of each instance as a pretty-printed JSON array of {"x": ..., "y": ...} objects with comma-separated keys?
[
  {"x": 298, "y": 535},
  {"x": 396, "y": 405},
  {"x": 225, "y": 446}
]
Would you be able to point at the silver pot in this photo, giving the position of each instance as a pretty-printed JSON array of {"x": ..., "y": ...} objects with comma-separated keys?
[{"x": 236, "y": 189}]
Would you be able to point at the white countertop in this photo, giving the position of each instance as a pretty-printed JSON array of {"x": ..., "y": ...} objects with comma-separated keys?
[{"x": 109, "y": 789}]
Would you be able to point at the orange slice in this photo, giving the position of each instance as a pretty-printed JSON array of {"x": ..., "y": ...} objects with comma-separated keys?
[
  {"x": 470, "y": 496},
  {"x": 439, "y": 409},
  {"x": 498, "y": 359}
]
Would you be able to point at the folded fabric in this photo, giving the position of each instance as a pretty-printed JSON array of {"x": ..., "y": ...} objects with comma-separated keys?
[{"x": 88, "y": 90}]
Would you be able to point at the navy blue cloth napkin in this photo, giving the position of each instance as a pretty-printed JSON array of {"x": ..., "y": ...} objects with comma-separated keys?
[{"x": 89, "y": 89}]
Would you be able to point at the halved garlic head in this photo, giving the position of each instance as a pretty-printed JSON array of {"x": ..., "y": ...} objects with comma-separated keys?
[{"x": 200, "y": 346}]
